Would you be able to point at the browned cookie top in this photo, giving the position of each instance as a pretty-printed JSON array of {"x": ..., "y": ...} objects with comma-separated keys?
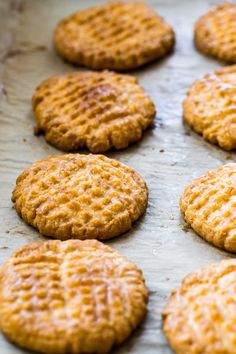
[
  {"x": 99, "y": 111},
  {"x": 118, "y": 35},
  {"x": 80, "y": 196},
  {"x": 210, "y": 107},
  {"x": 70, "y": 297},
  {"x": 209, "y": 206},
  {"x": 215, "y": 32},
  {"x": 200, "y": 315}
]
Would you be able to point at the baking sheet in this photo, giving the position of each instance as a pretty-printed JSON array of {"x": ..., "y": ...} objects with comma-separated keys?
[{"x": 168, "y": 157}]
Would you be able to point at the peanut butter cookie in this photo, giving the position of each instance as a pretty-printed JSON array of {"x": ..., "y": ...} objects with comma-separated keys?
[
  {"x": 209, "y": 206},
  {"x": 200, "y": 315},
  {"x": 80, "y": 196},
  {"x": 99, "y": 111},
  {"x": 70, "y": 297},
  {"x": 118, "y": 35},
  {"x": 210, "y": 107},
  {"x": 215, "y": 32}
]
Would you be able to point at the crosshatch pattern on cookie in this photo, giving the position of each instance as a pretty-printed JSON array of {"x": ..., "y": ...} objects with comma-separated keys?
[
  {"x": 80, "y": 196},
  {"x": 95, "y": 110},
  {"x": 215, "y": 32},
  {"x": 200, "y": 314},
  {"x": 73, "y": 296},
  {"x": 210, "y": 107},
  {"x": 209, "y": 206},
  {"x": 117, "y": 35}
]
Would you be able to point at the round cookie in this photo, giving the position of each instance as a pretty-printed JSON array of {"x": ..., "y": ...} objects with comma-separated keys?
[
  {"x": 99, "y": 111},
  {"x": 215, "y": 32},
  {"x": 210, "y": 107},
  {"x": 118, "y": 35},
  {"x": 70, "y": 297},
  {"x": 80, "y": 196},
  {"x": 200, "y": 315},
  {"x": 208, "y": 204}
]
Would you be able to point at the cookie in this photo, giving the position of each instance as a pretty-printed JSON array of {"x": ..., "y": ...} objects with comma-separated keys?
[
  {"x": 117, "y": 35},
  {"x": 210, "y": 107},
  {"x": 200, "y": 314},
  {"x": 215, "y": 32},
  {"x": 70, "y": 297},
  {"x": 99, "y": 111},
  {"x": 80, "y": 196},
  {"x": 209, "y": 206}
]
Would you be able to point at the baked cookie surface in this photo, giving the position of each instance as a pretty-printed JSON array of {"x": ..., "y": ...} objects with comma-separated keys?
[
  {"x": 117, "y": 35},
  {"x": 80, "y": 196},
  {"x": 200, "y": 314},
  {"x": 99, "y": 111},
  {"x": 215, "y": 32},
  {"x": 210, "y": 107},
  {"x": 70, "y": 297},
  {"x": 208, "y": 204}
]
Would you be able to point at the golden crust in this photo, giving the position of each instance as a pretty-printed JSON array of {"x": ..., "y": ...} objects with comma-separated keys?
[
  {"x": 97, "y": 110},
  {"x": 200, "y": 314},
  {"x": 210, "y": 107},
  {"x": 209, "y": 206},
  {"x": 117, "y": 35},
  {"x": 80, "y": 196},
  {"x": 70, "y": 297},
  {"x": 215, "y": 32}
]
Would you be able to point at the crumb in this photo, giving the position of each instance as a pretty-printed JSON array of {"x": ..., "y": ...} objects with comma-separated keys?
[
  {"x": 37, "y": 131},
  {"x": 187, "y": 133},
  {"x": 162, "y": 150},
  {"x": 186, "y": 228}
]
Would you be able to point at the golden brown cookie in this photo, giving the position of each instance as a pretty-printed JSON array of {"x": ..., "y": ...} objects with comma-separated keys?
[
  {"x": 215, "y": 32},
  {"x": 70, "y": 297},
  {"x": 80, "y": 196},
  {"x": 200, "y": 315},
  {"x": 209, "y": 206},
  {"x": 95, "y": 110},
  {"x": 210, "y": 107},
  {"x": 118, "y": 35}
]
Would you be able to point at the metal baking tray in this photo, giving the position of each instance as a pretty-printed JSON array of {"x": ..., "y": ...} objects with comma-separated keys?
[{"x": 168, "y": 157}]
